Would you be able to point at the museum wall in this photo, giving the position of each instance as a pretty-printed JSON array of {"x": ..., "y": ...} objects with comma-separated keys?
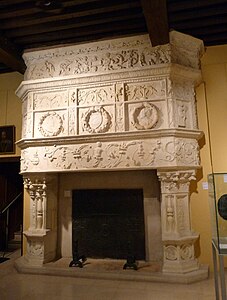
[
  {"x": 212, "y": 118},
  {"x": 10, "y": 104}
]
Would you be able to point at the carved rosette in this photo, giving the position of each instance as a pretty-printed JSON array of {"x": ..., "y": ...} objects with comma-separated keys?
[
  {"x": 145, "y": 116},
  {"x": 96, "y": 120},
  {"x": 50, "y": 124}
]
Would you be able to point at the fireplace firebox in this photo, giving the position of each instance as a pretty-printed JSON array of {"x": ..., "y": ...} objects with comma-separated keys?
[{"x": 109, "y": 223}]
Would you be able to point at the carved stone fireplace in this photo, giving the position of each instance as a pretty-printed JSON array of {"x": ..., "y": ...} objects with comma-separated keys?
[{"x": 119, "y": 105}]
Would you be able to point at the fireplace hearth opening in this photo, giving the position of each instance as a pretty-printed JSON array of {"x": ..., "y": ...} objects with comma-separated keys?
[{"x": 108, "y": 223}]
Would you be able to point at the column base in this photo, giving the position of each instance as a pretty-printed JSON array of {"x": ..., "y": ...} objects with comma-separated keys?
[
  {"x": 179, "y": 255},
  {"x": 41, "y": 246},
  {"x": 180, "y": 266}
]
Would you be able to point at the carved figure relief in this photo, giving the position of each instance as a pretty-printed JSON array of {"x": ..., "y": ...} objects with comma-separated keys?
[
  {"x": 35, "y": 248},
  {"x": 101, "y": 62},
  {"x": 182, "y": 115}
]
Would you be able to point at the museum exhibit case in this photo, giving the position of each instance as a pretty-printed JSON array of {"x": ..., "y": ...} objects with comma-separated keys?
[{"x": 217, "y": 183}]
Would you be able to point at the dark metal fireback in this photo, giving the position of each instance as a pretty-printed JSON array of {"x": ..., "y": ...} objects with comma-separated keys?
[{"x": 106, "y": 221}]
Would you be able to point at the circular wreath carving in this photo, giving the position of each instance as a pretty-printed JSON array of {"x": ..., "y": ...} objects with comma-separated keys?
[
  {"x": 97, "y": 120},
  {"x": 145, "y": 116},
  {"x": 51, "y": 124}
]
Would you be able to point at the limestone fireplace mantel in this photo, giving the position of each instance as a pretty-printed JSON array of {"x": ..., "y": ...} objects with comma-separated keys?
[{"x": 111, "y": 106}]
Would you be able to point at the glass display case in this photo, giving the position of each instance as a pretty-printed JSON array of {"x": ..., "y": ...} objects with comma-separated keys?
[{"x": 217, "y": 183}]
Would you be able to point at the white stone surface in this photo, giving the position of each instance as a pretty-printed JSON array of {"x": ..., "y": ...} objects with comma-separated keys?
[{"x": 114, "y": 105}]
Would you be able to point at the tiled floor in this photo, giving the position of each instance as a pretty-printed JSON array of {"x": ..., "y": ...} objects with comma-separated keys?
[{"x": 14, "y": 286}]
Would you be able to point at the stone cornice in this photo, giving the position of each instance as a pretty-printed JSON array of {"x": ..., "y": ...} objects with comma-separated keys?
[
  {"x": 155, "y": 133},
  {"x": 174, "y": 71}
]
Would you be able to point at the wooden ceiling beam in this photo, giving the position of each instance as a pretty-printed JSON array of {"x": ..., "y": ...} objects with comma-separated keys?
[
  {"x": 76, "y": 23},
  {"x": 184, "y": 5},
  {"x": 201, "y": 22},
  {"x": 155, "y": 12},
  {"x": 88, "y": 30},
  {"x": 68, "y": 13},
  {"x": 29, "y": 8},
  {"x": 190, "y": 15},
  {"x": 10, "y": 56},
  {"x": 89, "y": 38}
]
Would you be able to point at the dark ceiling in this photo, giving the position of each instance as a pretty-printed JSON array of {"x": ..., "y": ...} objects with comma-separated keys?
[{"x": 26, "y": 24}]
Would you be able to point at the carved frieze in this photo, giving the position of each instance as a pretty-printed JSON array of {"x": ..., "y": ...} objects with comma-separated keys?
[
  {"x": 148, "y": 153},
  {"x": 99, "y": 61}
]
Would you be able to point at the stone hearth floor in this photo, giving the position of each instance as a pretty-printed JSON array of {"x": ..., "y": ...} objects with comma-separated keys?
[
  {"x": 16, "y": 286},
  {"x": 112, "y": 270}
]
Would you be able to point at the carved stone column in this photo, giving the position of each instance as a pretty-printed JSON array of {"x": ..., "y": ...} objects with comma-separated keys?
[
  {"x": 42, "y": 233},
  {"x": 177, "y": 236}
]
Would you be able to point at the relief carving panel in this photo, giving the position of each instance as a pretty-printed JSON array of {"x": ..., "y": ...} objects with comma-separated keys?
[
  {"x": 50, "y": 100},
  {"x": 97, "y": 61},
  {"x": 143, "y": 116},
  {"x": 96, "y": 96},
  {"x": 146, "y": 90},
  {"x": 50, "y": 124}
]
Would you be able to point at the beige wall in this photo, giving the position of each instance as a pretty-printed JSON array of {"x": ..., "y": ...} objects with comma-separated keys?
[
  {"x": 212, "y": 117},
  {"x": 10, "y": 104}
]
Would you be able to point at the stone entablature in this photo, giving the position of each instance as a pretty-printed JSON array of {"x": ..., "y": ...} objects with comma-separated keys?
[
  {"x": 114, "y": 105},
  {"x": 146, "y": 153},
  {"x": 131, "y": 53}
]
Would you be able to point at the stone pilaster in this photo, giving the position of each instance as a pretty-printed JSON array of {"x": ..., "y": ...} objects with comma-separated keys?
[
  {"x": 42, "y": 233},
  {"x": 177, "y": 236}
]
